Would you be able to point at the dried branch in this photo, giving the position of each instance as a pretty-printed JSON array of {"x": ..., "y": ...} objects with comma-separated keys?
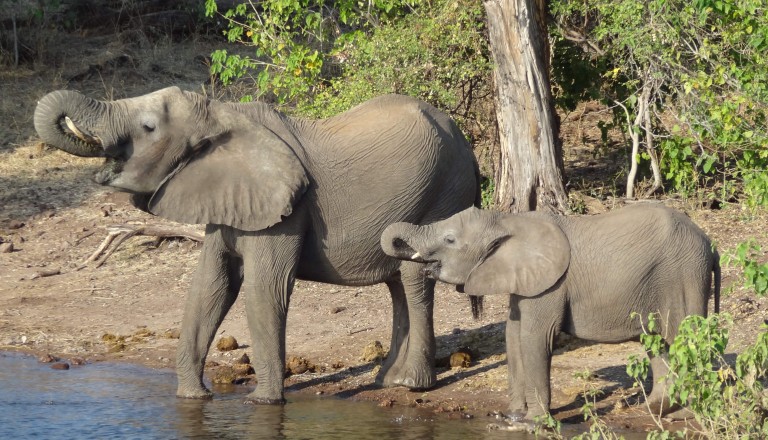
[{"x": 118, "y": 234}]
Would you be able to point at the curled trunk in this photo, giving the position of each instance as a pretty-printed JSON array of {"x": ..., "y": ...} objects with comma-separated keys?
[
  {"x": 396, "y": 241},
  {"x": 75, "y": 136}
]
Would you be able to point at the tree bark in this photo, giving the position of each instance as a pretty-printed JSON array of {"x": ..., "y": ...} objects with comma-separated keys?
[{"x": 530, "y": 176}]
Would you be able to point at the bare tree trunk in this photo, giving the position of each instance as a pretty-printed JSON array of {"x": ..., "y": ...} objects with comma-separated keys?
[{"x": 530, "y": 176}]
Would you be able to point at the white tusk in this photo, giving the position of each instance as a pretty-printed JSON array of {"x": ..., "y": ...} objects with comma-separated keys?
[
  {"x": 71, "y": 125},
  {"x": 415, "y": 256}
]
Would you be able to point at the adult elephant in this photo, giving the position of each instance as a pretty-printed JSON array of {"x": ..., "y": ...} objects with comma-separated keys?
[
  {"x": 582, "y": 275},
  {"x": 282, "y": 199}
]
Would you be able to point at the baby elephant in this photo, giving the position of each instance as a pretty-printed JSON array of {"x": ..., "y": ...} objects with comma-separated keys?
[{"x": 579, "y": 275}]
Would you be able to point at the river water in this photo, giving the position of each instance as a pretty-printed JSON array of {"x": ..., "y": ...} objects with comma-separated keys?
[{"x": 115, "y": 401}]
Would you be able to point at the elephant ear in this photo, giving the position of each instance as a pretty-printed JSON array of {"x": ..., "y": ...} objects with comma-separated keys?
[
  {"x": 527, "y": 260},
  {"x": 246, "y": 180}
]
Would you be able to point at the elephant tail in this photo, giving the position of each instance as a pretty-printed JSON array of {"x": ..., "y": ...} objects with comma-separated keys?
[{"x": 716, "y": 270}]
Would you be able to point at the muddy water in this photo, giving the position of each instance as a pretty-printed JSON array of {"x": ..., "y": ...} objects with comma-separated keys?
[{"x": 127, "y": 401}]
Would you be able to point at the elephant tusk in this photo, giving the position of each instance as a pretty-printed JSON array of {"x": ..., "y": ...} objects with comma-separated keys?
[
  {"x": 415, "y": 256},
  {"x": 82, "y": 136}
]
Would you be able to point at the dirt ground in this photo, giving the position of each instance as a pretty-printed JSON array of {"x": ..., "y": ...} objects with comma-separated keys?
[{"x": 130, "y": 308}]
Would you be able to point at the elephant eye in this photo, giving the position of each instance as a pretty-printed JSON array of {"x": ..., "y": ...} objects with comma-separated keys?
[
  {"x": 149, "y": 128},
  {"x": 449, "y": 239}
]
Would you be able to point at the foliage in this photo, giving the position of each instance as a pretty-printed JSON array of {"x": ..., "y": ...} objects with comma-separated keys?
[
  {"x": 294, "y": 39},
  {"x": 487, "y": 190},
  {"x": 727, "y": 401},
  {"x": 755, "y": 274},
  {"x": 327, "y": 56},
  {"x": 692, "y": 79}
]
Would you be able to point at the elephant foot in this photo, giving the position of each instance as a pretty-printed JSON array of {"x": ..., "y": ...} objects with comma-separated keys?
[
  {"x": 254, "y": 399},
  {"x": 413, "y": 378},
  {"x": 512, "y": 426},
  {"x": 194, "y": 393},
  {"x": 658, "y": 403}
]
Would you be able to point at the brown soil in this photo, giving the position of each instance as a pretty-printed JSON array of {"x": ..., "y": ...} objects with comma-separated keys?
[{"x": 130, "y": 308}]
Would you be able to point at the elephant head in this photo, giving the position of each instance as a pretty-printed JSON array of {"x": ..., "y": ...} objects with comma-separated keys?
[
  {"x": 192, "y": 159},
  {"x": 487, "y": 252}
]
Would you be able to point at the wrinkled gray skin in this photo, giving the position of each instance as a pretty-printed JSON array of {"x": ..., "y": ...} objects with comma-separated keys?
[
  {"x": 282, "y": 199},
  {"x": 579, "y": 275}
]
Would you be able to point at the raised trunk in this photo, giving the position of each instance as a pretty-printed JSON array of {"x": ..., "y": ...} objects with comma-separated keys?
[
  {"x": 85, "y": 113},
  {"x": 530, "y": 175}
]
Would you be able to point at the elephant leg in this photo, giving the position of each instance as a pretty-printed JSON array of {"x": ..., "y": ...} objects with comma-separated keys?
[
  {"x": 270, "y": 268},
  {"x": 411, "y": 359},
  {"x": 658, "y": 401},
  {"x": 538, "y": 338},
  {"x": 214, "y": 289},
  {"x": 515, "y": 373}
]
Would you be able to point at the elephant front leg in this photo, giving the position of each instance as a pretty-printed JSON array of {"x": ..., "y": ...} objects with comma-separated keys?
[
  {"x": 411, "y": 358},
  {"x": 213, "y": 291},
  {"x": 515, "y": 372}
]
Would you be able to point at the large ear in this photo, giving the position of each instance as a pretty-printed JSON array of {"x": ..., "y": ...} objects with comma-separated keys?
[
  {"x": 246, "y": 180},
  {"x": 527, "y": 260}
]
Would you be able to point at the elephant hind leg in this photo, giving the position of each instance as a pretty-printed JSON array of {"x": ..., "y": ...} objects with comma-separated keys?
[
  {"x": 658, "y": 401},
  {"x": 411, "y": 358}
]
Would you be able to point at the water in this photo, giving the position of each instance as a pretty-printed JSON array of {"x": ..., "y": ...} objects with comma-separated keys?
[{"x": 127, "y": 401}]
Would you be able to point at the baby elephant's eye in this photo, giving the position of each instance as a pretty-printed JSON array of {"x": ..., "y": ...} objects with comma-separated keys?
[
  {"x": 449, "y": 239},
  {"x": 149, "y": 128}
]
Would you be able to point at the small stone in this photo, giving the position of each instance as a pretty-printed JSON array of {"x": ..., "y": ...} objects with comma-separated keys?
[
  {"x": 460, "y": 360},
  {"x": 60, "y": 366},
  {"x": 6, "y": 248},
  {"x": 242, "y": 369},
  {"x": 335, "y": 310},
  {"x": 172, "y": 333},
  {"x": 227, "y": 343},
  {"x": 298, "y": 365},
  {"x": 15, "y": 224},
  {"x": 373, "y": 352},
  {"x": 244, "y": 359},
  {"x": 77, "y": 361},
  {"x": 386, "y": 403},
  {"x": 224, "y": 375},
  {"x": 47, "y": 359},
  {"x": 116, "y": 348}
]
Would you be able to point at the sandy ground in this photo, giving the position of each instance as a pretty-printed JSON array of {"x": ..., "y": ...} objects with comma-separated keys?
[{"x": 130, "y": 308}]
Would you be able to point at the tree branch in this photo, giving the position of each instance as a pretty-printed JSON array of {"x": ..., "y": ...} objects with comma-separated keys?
[{"x": 121, "y": 233}]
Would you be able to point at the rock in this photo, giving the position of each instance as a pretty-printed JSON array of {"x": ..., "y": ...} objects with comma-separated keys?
[
  {"x": 227, "y": 343},
  {"x": 460, "y": 360},
  {"x": 298, "y": 365},
  {"x": 335, "y": 310},
  {"x": 77, "y": 361},
  {"x": 373, "y": 352},
  {"x": 244, "y": 359},
  {"x": 116, "y": 347},
  {"x": 60, "y": 366},
  {"x": 15, "y": 224},
  {"x": 386, "y": 403},
  {"x": 47, "y": 358},
  {"x": 172, "y": 333},
  {"x": 6, "y": 248},
  {"x": 224, "y": 375},
  {"x": 242, "y": 369}
]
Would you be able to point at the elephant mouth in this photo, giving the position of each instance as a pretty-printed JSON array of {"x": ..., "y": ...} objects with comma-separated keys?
[
  {"x": 109, "y": 171},
  {"x": 432, "y": 270}
]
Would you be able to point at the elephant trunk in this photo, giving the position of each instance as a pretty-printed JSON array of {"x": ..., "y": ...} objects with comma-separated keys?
[
  {"x": 397, "y": 241},
  {"x": 67, "y": 120}
]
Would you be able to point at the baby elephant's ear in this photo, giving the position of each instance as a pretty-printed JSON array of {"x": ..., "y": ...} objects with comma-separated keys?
[
  {"x": 528, "y": 260},
  {"x": 246, "y": 181}
]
